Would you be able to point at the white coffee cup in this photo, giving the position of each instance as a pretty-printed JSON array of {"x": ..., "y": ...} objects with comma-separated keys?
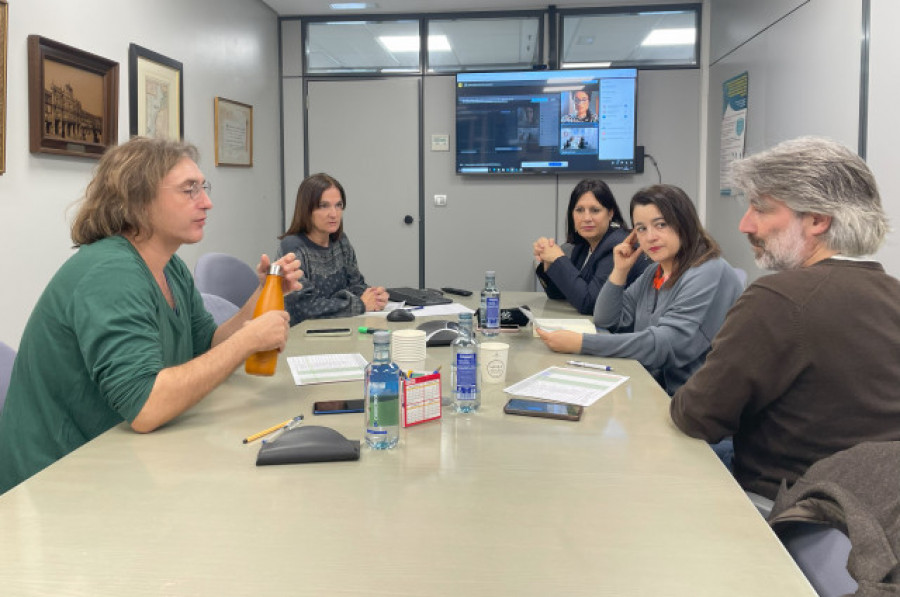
[{"x": 493, "y": 359}]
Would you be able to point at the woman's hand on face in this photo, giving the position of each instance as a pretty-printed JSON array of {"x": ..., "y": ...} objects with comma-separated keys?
[
  {"x": 626, "y": 253},
  {"x": 561, "y": 340}
]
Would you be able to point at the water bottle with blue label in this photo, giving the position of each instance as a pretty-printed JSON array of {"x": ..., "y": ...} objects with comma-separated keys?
[
  {"x": 489, "y": 314},
  {"x": 382, "y": 396},
  {"x": 464, "y": 382}
]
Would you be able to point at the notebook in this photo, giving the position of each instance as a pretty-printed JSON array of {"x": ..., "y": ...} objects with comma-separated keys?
[{"x": 418, "y": 297}]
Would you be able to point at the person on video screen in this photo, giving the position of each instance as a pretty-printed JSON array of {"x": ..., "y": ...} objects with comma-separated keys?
[
  {"x": 527, "y": 116},
  {"x": 581, "y": 100}
]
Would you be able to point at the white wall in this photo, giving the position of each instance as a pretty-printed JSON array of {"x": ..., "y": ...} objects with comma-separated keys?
[
  {"x": 884, "y": 121},
  {"x": 734, "y": 22},
  {"x": 228, "y": 49},
  {"x": 804, "y": 73}
]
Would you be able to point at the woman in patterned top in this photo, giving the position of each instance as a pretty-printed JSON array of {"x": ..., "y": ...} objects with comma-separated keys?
[{"x": 332, "y": 283}]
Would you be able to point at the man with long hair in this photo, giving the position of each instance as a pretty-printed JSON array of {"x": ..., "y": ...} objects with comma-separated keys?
[{"x": 120, "y": 333}]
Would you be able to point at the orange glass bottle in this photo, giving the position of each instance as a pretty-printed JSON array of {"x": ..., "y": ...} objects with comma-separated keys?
[{"x": 270, "y": 299}]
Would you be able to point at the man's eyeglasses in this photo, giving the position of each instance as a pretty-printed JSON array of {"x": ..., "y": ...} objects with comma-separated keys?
[{"x": 193, "y": 191}]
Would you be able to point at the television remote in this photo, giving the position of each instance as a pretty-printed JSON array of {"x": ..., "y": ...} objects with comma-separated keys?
[{"x": 457, "y": 291}]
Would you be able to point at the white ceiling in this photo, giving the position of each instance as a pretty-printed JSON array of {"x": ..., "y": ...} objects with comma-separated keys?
[{"x": 320, "y": 7}]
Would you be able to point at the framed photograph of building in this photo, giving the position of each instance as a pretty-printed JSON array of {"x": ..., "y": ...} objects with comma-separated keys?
[
  {"x": 234, "y": 133},
  {"x": 73, "y": 99},
  {"x": 155, "y": 94},
  {"x": 4, "y": 27}
]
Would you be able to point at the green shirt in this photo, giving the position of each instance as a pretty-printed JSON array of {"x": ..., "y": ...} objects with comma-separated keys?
[{"x": 91, "y": 350}]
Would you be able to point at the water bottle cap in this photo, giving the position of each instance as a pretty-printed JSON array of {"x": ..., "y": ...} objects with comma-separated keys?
[
  {"x": 491, "y": 273},
  {"x": 464, "y": 316},
  {"x": 274, "y": 270},
  {"x": 382, "y": 337}
]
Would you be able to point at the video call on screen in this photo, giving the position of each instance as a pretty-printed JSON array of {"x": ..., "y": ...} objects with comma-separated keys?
[{"x": 546, "y": 121}]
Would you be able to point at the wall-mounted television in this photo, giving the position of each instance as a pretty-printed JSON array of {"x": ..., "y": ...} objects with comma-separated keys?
[{"x": 546, "y": 121}]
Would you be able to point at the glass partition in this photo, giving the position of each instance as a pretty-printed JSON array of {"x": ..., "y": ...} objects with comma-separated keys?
[
  {"x": 500, "y": 43},
  {"x": 661, "y": 37},
  {"x": 334, "y": 47}
]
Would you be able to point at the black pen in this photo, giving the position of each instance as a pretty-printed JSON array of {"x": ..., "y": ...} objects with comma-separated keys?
[{"x": 328, "y": 332}]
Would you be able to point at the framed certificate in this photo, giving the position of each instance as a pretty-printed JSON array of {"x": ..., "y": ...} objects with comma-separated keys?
[{"x": 234, "y": 133}]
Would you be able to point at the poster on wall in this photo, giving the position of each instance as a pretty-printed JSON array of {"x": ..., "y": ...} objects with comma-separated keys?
[{"x": 734, "y": 127}]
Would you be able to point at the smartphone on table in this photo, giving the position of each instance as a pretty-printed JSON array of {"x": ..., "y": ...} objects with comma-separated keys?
[
  {"x": 337, "y": 407},
  {"x": 540, "y": 408}
]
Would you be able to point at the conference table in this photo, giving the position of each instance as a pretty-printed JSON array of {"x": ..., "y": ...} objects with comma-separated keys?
[{"x": 484, "y": 504}]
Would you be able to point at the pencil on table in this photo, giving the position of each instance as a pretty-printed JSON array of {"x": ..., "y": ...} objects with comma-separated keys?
[{"x": 265, "y": 432}]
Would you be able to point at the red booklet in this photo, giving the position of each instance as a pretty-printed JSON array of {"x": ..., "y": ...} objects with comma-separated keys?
[{"x": 421, "y": 397}]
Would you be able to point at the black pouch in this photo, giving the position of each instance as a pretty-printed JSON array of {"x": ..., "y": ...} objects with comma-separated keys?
[
  {"x": 515, "y": 316},
  {"x": 308, "y": 443}
]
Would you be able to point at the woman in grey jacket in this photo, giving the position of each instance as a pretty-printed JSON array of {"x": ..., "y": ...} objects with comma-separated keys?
[{"x": 668, "y": 317}]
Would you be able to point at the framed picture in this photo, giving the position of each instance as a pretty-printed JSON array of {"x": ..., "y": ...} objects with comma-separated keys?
[
  {"x": 73, "y": 99},
  {"x": 4, "y": 26},
  {"x": 234, "y": 133},
  {"x": 155, "y": 94}
]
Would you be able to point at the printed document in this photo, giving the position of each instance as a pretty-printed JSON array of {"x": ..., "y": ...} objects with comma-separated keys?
[
  {"x": 569, "y": 385},
  {"x": 582, "y": 326},
  {"x": 326, "y": 368}
]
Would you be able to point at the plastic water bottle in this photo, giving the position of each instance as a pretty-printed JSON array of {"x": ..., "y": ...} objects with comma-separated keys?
[
  {"x": 382, "y": 396},
  {"x": 464, "y": 380},
  {"x": 271, "y": 298},
  {"x": 489, "y": 314}
]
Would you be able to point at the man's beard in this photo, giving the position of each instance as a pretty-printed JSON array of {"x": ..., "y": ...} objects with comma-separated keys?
[{"x": 782, "y": 251}]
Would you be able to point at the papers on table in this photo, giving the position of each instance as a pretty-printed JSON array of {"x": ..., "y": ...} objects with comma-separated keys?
[
  {"x": 572, "y": 386},
  {"x": 582, "y": 326},
  {"x": 326, "y": 368}
]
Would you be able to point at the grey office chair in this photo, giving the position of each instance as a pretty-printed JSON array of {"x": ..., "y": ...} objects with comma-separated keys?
[
  {"x": 821, "y": 553},
  {"x": 7, "y": 356},
  {"x": 221, "y": 309},
  {"x": 819, "y": 550},
  {"x": 225, "y": 276}
]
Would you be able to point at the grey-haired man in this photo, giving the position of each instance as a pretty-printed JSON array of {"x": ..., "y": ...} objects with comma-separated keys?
[{"x": 806, "y": 363}]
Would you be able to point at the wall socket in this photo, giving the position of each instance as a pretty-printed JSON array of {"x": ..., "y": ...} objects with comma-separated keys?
[{"x": 440, "y": 200}]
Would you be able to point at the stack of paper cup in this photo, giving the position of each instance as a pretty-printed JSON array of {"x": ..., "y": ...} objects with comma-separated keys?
[{"x": 408, "y": 349}]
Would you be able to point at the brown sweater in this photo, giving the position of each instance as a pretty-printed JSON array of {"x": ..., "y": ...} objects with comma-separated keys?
[{"x": 806, "y": 364}]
